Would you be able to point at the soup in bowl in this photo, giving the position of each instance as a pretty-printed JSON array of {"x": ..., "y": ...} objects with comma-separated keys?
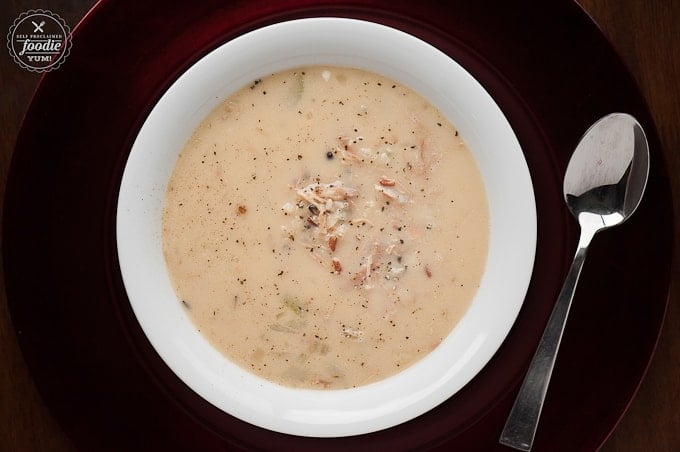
[{"x": 328, "y": 236}]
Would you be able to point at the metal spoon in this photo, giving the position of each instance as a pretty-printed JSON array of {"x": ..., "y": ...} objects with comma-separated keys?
[{"x": 603, "y": 186}]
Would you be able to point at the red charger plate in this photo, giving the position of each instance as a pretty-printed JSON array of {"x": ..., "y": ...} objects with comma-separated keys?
[{"x": 551, "y": 71}]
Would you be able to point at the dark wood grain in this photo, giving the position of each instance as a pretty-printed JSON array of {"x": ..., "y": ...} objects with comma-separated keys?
[
  {"x": 25, "y": 422},
  {"x": 647, "y": 36}
]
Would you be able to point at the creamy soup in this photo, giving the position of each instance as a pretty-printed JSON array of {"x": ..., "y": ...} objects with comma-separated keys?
[{"x": 325, "y": 227}]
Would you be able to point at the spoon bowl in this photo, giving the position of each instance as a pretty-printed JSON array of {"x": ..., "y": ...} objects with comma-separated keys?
[
  {"x": 603, "y": 186},
  {"x": 607, "y": 173}
]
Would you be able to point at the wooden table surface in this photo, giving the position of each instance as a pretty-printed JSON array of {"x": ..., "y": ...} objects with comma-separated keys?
[{"x": 646, "y": 34}]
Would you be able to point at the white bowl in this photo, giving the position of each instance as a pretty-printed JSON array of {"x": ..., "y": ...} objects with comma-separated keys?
[{"x": 339, "y": 42}]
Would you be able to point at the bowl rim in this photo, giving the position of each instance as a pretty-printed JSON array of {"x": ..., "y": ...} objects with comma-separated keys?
[{"x": 311, "y": 412}]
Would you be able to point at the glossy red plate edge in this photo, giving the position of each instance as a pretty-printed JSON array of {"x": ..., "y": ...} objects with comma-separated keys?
[{"x": 107, "y": 402}]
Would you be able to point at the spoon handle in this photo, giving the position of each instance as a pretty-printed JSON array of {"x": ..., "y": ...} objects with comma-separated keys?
[{"x": 520, "y": 427}]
